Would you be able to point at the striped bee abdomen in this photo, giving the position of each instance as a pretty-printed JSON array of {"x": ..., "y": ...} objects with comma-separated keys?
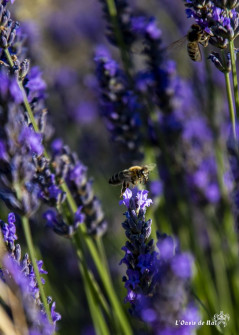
[
  {"x": 117, "y": 178},
  {"x": 194, "y": 51}
]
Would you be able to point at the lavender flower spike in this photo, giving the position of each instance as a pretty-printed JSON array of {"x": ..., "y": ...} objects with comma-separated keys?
[
  {"x": 120, "y": 108},
  {"x": 156, "y": 280},
  {"x": 18, "y": 272}
]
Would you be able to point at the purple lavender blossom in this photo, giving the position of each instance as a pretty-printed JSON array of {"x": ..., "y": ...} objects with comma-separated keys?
[
  {"x": 68, "y": 167},
  {"x": 9, "y": 231},
  {"x": 31, "y": 139},
  {"x": 21, "y": 271},
  {"x": 156, "y": 280},
  {"x": 8, "y": 27},
  {"x": 121, "y": 109},
  {"x": 55, "y": 221},
  {"x": 16, "y": 160}
]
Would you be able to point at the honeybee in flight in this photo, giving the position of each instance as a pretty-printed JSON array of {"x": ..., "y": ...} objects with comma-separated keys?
[
  {"x": 195, "y": 36},
  {"x": 133, "y": 175}
]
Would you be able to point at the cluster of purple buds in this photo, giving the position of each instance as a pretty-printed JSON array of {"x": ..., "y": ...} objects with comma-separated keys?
[
  {"x": 7, "y": 27},
  {"x": 156, "y": 280},
  {"x": 49, "y": 189},
  {"x": 139, "y": 252},
  {"x": 223, "y": 64},
  {"x": 120, "y": 108},
  {"x": 219, "y": 19},
  {"x": 18, "y": 144},
  {"x": 68, "y": 167},
  {"x": 56, "y": 222},
  {"x": 20, "y": 270},
  {"x": 159, "y": 80}
]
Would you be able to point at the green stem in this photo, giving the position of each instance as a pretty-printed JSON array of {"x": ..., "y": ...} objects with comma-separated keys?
[
  {"x": 9, "y": 58},
  {"x": 120, "y": 40},
  {"x": 230, "y": 104},
  {"x": 25, "y": 100},
  {"x": 234, "y": 76},
  {"x": 90, "y": 279},
  {"x": 28, "y": 236},
  {"x": 94, "y": 299},
  {"x": 103, "y": 256},
  {"x": 126, "y": 329}
]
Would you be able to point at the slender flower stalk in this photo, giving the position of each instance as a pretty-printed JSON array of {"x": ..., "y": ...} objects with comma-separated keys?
[
  {"x": 115, "y": 12},
  {"x": 230, "y": 103},
  {"x": 234, "y": 77},
  {"x": 27, "y": 276},
  {"x": 31, "y": 249}
]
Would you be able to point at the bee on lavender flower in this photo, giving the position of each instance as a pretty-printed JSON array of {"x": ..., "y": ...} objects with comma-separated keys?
[
  {"x": 133, "y": 175},
  {"x": 195, "y": 36}
]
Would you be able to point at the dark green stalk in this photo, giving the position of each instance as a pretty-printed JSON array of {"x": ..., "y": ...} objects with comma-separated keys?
[
  {"x": 94, "y": 300},
  {"x": 30, "y": 245},
  {"x": 90, "y": 279},
  {"x": 234, "y": 76},
  {"x": 230, "y": 103},
  {"x": 120, "y": 41},
  {"x": 28, "y": 236}
]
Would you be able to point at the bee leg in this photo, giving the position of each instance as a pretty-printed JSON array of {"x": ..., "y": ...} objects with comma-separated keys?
[{"x": 123, "y": 188}]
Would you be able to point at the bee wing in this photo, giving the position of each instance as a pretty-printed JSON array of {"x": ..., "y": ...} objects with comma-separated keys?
[
  {"x": 150, "y": 166},
  {"x": 177, "y": 44},
  {"x": 198, "y": 54},
  {"x": 127, "y": 174},
  {"x": 199, "y": 58}
]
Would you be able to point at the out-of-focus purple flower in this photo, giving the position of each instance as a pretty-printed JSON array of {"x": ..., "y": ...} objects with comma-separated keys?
[
  {"x": 54, "y": 315},
  {"x": 121, "y": 109},
  {"x": 57, "y": 145},
  {"x": 10, "y": 86},
  {"x": 85, "y": 112},
  {"x": 22, "y": 272},
  {"x": 79, "y": 216},
  {"x": 182, "y": 265},
  {"x": 6, "y": 1},
  {"x": 35, "y": 85},
  {"x": 156, "y": 188},
  {"x": 55, "y": 221},
  {"x": 77, "y": 173},
  {"x": 32, "y": 139},
  {"x": 16, "y": 157},
  {"x": 165, "y": 246},
  {"x": 152, "y": 30},
  {"x": 9, "y": 231}
]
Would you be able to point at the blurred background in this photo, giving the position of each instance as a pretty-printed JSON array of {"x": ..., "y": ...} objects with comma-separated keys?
[{"x": 62, "y": 37}]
